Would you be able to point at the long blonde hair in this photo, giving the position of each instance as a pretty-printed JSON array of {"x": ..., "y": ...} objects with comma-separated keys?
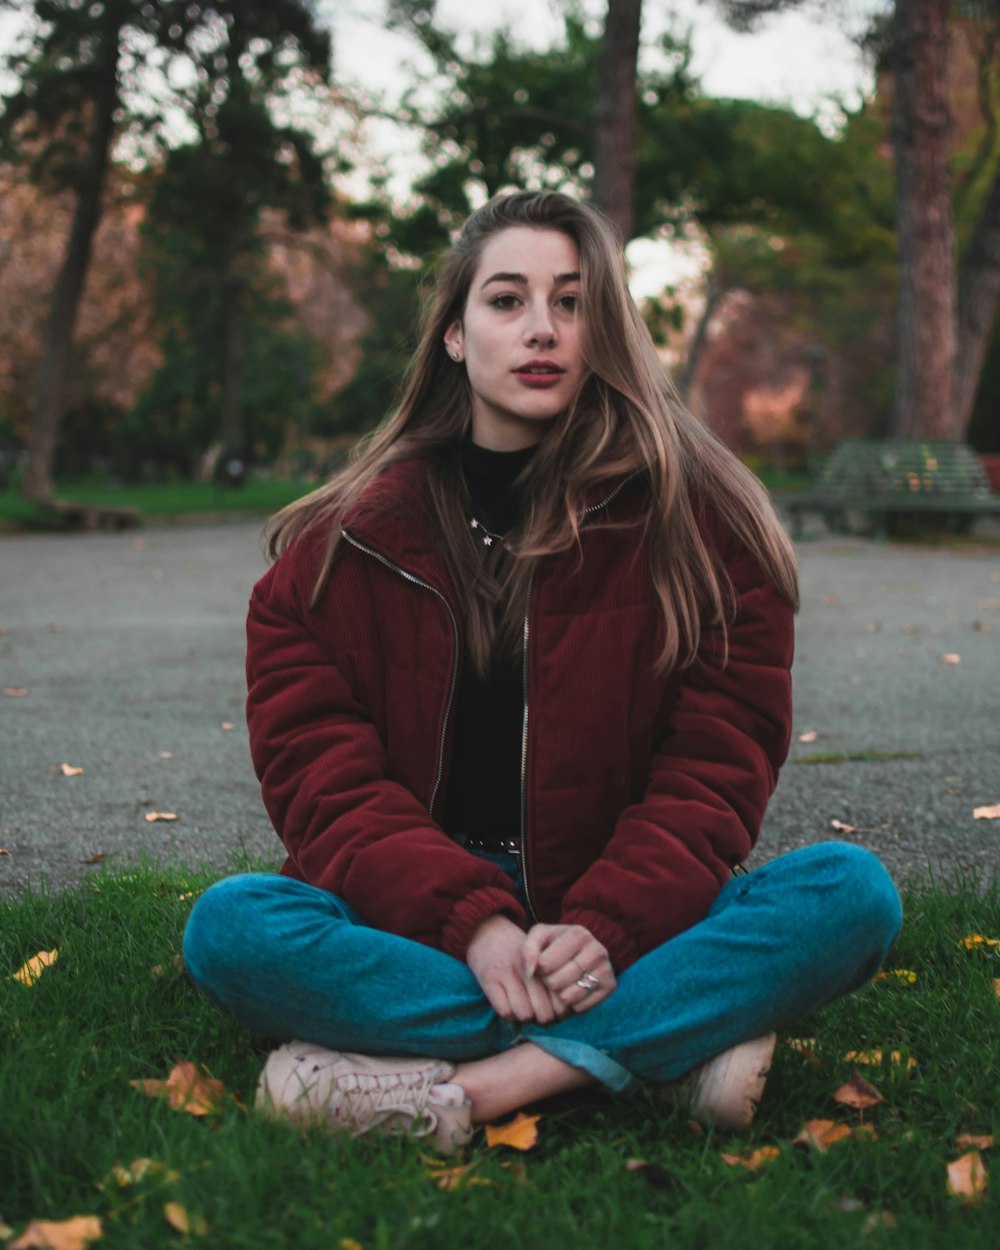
[{"x": 626, "y": 418}]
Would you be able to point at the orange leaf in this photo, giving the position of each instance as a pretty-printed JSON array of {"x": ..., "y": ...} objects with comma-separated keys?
[
  {"x": 857, "y": 1092},
  {"x": 973, "y": 940},
  {"x": 967, "y": 1177},
  {"x": 70, "y": 770},
  {"x": 177, "y": 1217},
  {"x": 809, "y": 736},
  {"x": 75, "y": 1233},
  {"x": 151, "y": 816},
  {"x": 996, "y": 986},
  {"x": 952, "y": 657},
  {"x": 905, "y": 976},
  {"x": 15, "y": 692},
  {"x": 979, "y": 1141},
  {"x": 842, "y": 828},
  {"x": 227, "y": 725},
  {"x": 457, "y": 1177},
  {"x": 754, "y": 1160},
  {"x": 29, "y": 972},
  {"x": 186, "y": 1089},
  {"x": 822, "y": 1134},
  {"x": 521, "y": 1133},
  {"x": 873, "y": 1058},
  {"x": 978, "y": 813}
]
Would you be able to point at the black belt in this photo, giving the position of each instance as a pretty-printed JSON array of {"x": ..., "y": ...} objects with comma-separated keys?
[{"x": 494, "y": 845}]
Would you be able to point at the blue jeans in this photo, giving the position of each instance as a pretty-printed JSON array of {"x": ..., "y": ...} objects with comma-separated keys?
[{"x": 293, "y": 961}]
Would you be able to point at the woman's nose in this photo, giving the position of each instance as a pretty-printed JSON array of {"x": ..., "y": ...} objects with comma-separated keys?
[{"x": 540, "y": 327}]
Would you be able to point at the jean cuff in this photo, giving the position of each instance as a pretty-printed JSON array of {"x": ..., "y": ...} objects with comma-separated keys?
[{"x": 601, "y": 1066}]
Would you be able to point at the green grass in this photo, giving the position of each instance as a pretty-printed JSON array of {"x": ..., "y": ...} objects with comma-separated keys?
[
  {"x": 115, "y": 1006},
  {"x": 258, "y": 496}
]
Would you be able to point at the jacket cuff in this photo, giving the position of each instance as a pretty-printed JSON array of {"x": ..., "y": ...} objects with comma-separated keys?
[
  {"x": 622, "y": 950},
  {"x": 470, "y": 913}
]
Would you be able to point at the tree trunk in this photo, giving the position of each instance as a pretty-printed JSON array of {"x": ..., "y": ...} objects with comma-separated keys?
[
  {"x": 233, "y": 432},
  {"x": 713, "y": 295},
  {"x": 978, "y": 296},
  {"x": 50, "y": 396},
  {"x": 615, "y": 115},
  {"x": 926, "y": 315}
]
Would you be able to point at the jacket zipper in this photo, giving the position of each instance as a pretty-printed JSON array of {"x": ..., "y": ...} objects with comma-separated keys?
[
  {"x": 524, "y": 689},
  {"x": 419, "y": 581}
]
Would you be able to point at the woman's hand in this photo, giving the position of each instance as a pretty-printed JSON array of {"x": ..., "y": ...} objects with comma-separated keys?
[
  {"x": 496, "y": 956},
  {"x": 570, "y": 962}
]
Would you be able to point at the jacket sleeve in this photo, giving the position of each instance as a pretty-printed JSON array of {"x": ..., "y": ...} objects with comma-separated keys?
[
  {"x": 347, "y": 825},
  {"x": 710, "y": 779}
]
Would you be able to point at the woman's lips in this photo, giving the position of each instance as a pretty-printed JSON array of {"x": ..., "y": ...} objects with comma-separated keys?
[{"x": 539, "y": 373}]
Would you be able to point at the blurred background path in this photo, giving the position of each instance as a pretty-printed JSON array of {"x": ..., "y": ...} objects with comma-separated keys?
[{"x": 122, "y": 655}]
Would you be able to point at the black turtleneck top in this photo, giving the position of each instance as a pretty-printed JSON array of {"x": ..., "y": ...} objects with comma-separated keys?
[{"x": 483, "y": 797}]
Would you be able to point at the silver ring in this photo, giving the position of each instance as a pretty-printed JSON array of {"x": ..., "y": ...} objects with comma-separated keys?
[{"x": 589, "y": 982}]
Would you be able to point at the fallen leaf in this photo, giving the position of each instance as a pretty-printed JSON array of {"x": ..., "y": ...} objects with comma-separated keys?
[
  {"x": 151, "y": 816},
  {"x": 822, "y": 1134},
  {"x": 857, "y": 1093},
  {"x": 755, "y": 1160},
  {"x": 70, "y": 770},
  {"x": 227, "y": 724},
  {"x": 996, "y": 985},
  {"x": 967, "y": 1177},
  {"x": 75, "y": 1233},
  {"x": 972, "y": 940},
  {"x": 654, "y": 1174},
  {"x": 804, "y": 1046},
  {"x": 29, "y": 972},
  {"x": 905, "y": 976},
  {"x": 878, "y": 1219},
  {"x": 951, "y": 657},
  {"x": 186, "y": 1089},
  {"x": 177, "y": 1217},
  {"x": 4, "y": 851},
  {"x": 134, "y": 1172},
  {"x": 979, "y": 1141},
  {"x": 348, "y": 1243},
  {"x": 166, "y": 755},
  {"x": 521, "y": 1133},
  {"x": 15, "y": 692},
  {"x": 94, "y": 859},
  {"x": 841, "y": 827},
  {"x": 5, "y": 1229},
  {"x": 810, "y": 736},
  {"x": 873, "y": 1058},
  {"x": 986, "y": 813},
  {"x": 458, "y": 1177}
]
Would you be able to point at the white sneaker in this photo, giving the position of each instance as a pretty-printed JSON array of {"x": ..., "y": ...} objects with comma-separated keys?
[
  {"x": 358, "y": 1093},
  {"x": 725, "y": 1091}
]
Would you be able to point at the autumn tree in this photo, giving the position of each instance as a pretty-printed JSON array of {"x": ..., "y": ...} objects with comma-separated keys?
[{"x": 88, "y": 75}]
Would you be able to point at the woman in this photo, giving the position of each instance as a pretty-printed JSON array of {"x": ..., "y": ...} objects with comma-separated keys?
[{"x": 518, "y": 695}]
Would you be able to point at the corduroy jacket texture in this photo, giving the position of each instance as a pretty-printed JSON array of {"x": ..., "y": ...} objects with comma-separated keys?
[{"x": 640, "y": 791}]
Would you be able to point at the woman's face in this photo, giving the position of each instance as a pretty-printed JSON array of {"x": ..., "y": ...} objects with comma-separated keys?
[{"x": 520, "y": 336}]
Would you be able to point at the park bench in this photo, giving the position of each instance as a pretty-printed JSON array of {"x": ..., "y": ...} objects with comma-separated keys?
[
  {"x": 887, "y": 480},
  {"x": 90, "y": 516}
]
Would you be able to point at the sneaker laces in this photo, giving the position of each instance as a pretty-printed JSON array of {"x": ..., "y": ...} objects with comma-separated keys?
[{"x": 366, "y": 1100}]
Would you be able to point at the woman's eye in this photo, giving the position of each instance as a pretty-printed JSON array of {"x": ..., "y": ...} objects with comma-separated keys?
[
  {"x": 504, "y": 301},
  {"x": 570, "y": 302}
]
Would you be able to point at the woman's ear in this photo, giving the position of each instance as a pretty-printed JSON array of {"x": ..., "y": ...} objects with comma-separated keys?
[{"x": 453, "y": 340}]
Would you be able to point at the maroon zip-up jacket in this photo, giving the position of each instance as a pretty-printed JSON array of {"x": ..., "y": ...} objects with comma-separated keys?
[{"x": 640, "y": 792}]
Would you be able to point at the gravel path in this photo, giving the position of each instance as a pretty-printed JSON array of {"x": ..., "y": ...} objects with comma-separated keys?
[{"x": 129, "y": 649}]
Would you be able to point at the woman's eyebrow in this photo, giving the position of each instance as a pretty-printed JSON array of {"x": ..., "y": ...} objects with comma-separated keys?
[{"x": 560, "y": 278}]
